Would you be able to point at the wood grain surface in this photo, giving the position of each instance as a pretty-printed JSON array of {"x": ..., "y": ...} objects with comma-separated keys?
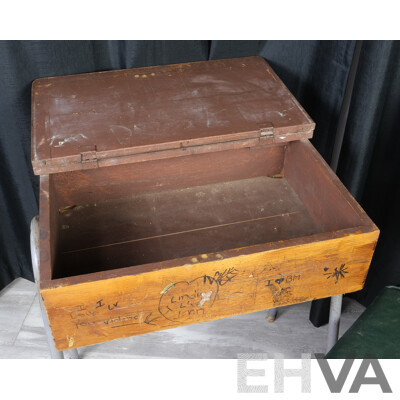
[
  {"x": 181, "y": 194},
  {"x": 203, "y": 290},
  {"x": 159, "y": 226},
  {"x": 115, "y": 117}
]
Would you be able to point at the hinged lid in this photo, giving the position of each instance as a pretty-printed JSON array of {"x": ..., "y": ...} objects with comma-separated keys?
[{"x": 115, "y": 117}]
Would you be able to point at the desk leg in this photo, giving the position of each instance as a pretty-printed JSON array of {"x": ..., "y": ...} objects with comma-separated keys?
[
  {"x": 67, "y": 354},
  {"x": 71, "y": 354},
  {"x": 34, "y": 238},
  {"x": 53, "y": 351},
  {"x": 271, "y": 314},
  {"x": 334, "y": 320}
]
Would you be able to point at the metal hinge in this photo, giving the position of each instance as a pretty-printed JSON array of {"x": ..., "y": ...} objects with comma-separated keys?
[
  {"x": 89, "y": 159},
  {"x": 267, "y": 132}
]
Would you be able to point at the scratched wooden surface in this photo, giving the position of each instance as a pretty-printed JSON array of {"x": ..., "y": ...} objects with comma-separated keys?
[
  {"x": 94, "y": 312},
  {"x": 22, "y": 333},
  {"x": 121, "y": 113},
  {"x": 115, "y": 303},
  {"x": 182, "y": 194}
]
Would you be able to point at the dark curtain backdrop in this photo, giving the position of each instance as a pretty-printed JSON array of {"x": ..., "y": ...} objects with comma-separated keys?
[{"x": 315, "y": 71}]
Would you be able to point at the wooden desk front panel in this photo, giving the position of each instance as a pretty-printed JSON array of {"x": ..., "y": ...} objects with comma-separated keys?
[{"x": 206, "y": 289}]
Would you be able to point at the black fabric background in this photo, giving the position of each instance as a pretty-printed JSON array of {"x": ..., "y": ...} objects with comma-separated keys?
[{"x": 315, "y": 71}]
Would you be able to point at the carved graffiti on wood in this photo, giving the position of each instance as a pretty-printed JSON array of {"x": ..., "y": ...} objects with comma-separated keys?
[
  {"x": 336, "y": 273},
  {"x": 184, "y": 300},
  {"x": 191, "y": 300}
]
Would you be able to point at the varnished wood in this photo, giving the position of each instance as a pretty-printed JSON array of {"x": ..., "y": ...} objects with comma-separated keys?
[
  {"x": 203, "y": 290},
  {"x": 148, "y": 113},
  {"x": 313, "y": 264},
  {"x": 164, "y": 225},
  {"x": 96, "y": 185},
  {"x": 185, "y": 224},
  {"x": 325, "y": 197}
]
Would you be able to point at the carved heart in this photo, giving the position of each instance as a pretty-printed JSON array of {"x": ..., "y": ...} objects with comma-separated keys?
[
  {"x": 279, "y": 280},
  {"x": 188, "y": 300}
]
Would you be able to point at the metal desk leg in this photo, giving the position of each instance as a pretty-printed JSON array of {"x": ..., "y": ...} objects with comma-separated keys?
[
  {"x": 53, "y": 351},
  {"x": 35, "y": 265},
  {"x": 334, "y": 320},
  {"x": 71, "y": 354},
  {"x": 271, "y": 314}
]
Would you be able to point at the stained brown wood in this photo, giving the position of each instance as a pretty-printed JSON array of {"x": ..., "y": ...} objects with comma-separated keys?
[
  {"x": 214, "y": 205},
  {"x": 97, "y": 185},
  {"x": 101, "y": 119},
  {"x": 325, "y": 197},
  {"x": 312, "y": 254},
  {"x": 48, "y": 226},
  {"x": 171, "y": 224}
]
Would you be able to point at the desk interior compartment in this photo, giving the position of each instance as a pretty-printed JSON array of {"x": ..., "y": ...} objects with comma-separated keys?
[{"x": 141, "y": 214}]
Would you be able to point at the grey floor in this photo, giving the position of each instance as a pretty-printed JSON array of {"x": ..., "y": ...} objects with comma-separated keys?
[{"x": 22, "y": 333}]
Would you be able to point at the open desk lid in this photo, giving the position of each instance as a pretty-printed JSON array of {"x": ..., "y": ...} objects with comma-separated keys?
[{"x": 116, "y": 117}]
